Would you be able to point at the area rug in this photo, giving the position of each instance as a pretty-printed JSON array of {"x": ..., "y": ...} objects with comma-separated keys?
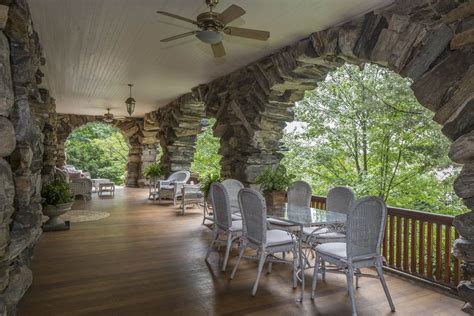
[{"x": 77, "y": 216}]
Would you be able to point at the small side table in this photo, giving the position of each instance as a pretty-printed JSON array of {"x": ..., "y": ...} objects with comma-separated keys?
[
  {"x": 96, "y": 182},
  {"x": 106, "y": 187},
  {"x": 191, "y": 194}
]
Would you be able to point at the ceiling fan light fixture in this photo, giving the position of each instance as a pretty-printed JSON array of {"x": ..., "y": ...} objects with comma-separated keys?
[
  {"x": 108, "y": 117},
  {"x": 210, "y": 37}
]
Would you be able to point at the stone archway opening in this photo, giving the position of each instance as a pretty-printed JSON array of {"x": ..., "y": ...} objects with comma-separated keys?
[
  {"x": 206, "y": 160},
  {"x": 363, "y": 127},
  {"x": 100, "y": 149}
]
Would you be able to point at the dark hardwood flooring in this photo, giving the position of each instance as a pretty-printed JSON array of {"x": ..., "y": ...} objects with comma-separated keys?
[{"x": 147, "y": 259}]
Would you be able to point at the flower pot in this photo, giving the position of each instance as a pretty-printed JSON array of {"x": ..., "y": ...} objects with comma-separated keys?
[
  {"x": 53, "y": 212},
  {"x": 275, "y": 201}
]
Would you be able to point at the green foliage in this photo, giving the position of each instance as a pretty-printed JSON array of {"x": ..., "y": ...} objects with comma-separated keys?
[
  {"x": 99, "y": 149},
  {"x": 57, "y": 192},
  {"x": 275, "y": 179},
  {"x": 206, "y": 157},
  {"x": 153, "y": 170},
  {"x": 206, "y": 181},
  {"x": 365, "y": 129}
]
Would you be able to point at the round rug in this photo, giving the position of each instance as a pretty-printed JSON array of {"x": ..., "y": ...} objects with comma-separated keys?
[{"x": 77, "y": 216}]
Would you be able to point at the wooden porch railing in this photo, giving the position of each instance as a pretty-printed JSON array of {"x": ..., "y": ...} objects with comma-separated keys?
[{"x": 418, "y": 243}]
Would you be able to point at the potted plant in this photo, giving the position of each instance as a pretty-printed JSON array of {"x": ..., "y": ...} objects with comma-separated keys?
[
  {"x": 58, "y": 199},
  {"x": 274, "y": 182},
  {"x": 153, "y": 171},
  {"x": 206, "y": 181}
]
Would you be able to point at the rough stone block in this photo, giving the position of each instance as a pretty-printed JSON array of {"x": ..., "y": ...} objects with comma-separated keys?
[
  {"x": 462, "y": 124},
  {"x": 464, "y": 224},
  {"x": 462, "y": 150},
  {"x": 464, "y": 183},
  {"x": 6, "y": 88},
  {"x": 7, "y": 138},
  {"x": 7, "y": 189}
]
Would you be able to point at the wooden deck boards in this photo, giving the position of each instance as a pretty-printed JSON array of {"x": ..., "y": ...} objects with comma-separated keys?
[{"x": 147, "y": 259}]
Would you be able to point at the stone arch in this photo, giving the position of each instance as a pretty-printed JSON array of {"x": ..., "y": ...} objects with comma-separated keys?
[
  {"x": 430, "y": 43},
  {"x": 179, "y": 123},
  {"x": 142, "y": 143}
]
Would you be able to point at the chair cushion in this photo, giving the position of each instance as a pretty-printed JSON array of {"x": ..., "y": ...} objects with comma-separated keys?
[
  {"x": 278, "y": 237},
  {"x": 333, "y": 249},
  {"x": 323, "y": 233},
  {"x": 167, "y": 187},
  {"x": 236, "y": 217},
  {"x": 236, "y": 226}
]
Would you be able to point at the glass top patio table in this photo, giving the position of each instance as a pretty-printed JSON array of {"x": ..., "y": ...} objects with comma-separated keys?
[{"x": 307, "y": 216}]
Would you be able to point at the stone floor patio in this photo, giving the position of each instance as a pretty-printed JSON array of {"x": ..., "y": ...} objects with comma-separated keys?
[{"x": 147, "y": 259}]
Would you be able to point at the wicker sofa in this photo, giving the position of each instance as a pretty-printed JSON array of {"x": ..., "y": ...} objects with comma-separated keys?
[{"x": 79, "y": 186}]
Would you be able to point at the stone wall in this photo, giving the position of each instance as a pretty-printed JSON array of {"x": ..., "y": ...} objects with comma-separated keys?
[
  {"x": 139, "y": 139},
  {"x": 179, "y": 124},
  {"x": 26, "y": 150}
]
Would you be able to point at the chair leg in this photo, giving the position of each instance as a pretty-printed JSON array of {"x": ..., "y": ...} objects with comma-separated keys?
[
  {"x": 227, "y": 251},
  {"x": 214, "y": 238},
  {"x": 323, "y": 269},
  {"x": 315, "y": 277},
  {"x": 270, "y": 265},
  {"x": 295, "y": 265},
  {"x": 357, "y": 276},
  {"x": 350, "y": 285},
  {"x": 384, "y": 285},
  {"x": 241, "y": 253},
  {"x": 261, "y": 262}
]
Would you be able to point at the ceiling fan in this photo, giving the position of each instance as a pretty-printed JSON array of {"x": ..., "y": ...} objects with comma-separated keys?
[
  {"x": 109, "y": 117},
  {"x": 213, "y": 24}
]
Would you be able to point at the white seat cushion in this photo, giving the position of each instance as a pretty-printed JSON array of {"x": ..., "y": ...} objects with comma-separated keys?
[
  {"x": 323, "y": 233},
  {"x": 236, "y": 217},
  {"x": 236, "y": 226},
  {"x": 278, "y": 237},
  {"x": 334, "y": 249},
  {"x": 278, "y": 222},
  {"x": 167, "y": 187}
]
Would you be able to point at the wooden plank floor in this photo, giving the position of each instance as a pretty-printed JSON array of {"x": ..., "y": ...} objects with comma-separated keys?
[{"x": 147, "y": 259}]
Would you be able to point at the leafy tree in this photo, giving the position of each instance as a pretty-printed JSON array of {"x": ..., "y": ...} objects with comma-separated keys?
[
  {"x": 365, "y": 128},
  {"x": 207, "y": 159},
  {"x": 99, "y": 149}
]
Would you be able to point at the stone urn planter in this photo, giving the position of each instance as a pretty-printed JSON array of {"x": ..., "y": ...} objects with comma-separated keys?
[
  {"x": 275, "y": 201},
  {"x": 53, "y": 212}
]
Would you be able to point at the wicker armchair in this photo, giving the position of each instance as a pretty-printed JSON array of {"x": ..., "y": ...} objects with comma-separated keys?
[
  {"x": 171, "y": 188},
  {"x": 365, "y": 229},
  {"x": 82, "y": 187}
]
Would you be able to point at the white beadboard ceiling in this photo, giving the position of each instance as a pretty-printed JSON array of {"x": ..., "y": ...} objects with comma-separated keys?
[{"x": 94, "y": 48}]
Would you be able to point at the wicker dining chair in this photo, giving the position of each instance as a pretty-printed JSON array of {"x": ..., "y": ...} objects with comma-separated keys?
[
  {"x": 299, "y": 196},
  {"x": 365, "y": 229},
  {"x": 223, "y": 223},
  {"x": 340, "y": 200},
  {"x": 233, "y": 187},
  {"x": 256, "y": 236}
]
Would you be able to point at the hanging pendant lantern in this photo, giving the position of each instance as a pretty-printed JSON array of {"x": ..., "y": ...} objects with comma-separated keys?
[{"x": 130, "y": 102}]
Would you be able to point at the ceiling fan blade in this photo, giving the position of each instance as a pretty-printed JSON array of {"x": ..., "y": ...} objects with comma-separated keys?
[
  {"x": 231, "y": 13},
  {"x": 218, "y": 50},
  {"x": 172, "y": 38},
  {"x": 248, "y": 33},
  {"x": 177, "y": 17}
]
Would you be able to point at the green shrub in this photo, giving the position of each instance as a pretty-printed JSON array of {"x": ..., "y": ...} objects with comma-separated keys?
[
  {"x": 154, "y": 170},
  {"x": 57, "y": 192},
  {"x": 275, "y": 179},
  {"x": 206, "y": 181}
]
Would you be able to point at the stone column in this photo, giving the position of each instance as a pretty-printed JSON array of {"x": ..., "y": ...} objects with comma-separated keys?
[
  {"x": 180, "y": 123},
  {"x": 134, "y": 164},
  {"x": 148, "y": 157},
  {"x": 462, "y": 151},
  {"x": 21, "y": 151}
]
